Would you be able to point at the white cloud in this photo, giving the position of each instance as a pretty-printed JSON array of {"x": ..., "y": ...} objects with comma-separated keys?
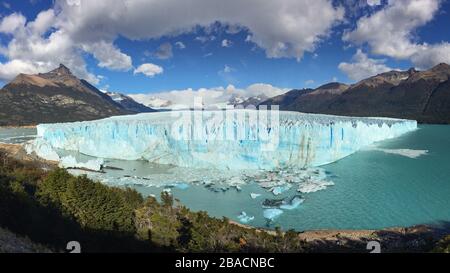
[
  {"x": 363, "y": 67},
  {"x": 226, "y": 43},
  {"x": 180, "y": 45},
  {"x": 430, "y": 55},
  {"x": 109, "y": 56},
  {"x": 212, "y": 97},
  {"x": 285, "y": 28},
  {"x": 11, "y": 69},
  {"x": 30, "y": 51},
  {"x": 373, "y": 2},
  {"x": 204, "y": 39},
  {"x": 164, "y": 51},
  {"x": 390, "y": 32},
  {"x": 149, "y": 70},
  {"x": 227, "y": 74},
  {"x": 12, "y": 23},
  {"x": 43, "y": 22}
]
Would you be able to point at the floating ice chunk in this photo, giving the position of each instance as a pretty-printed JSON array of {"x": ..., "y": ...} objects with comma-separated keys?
[
  {"x": 404, "y": 152},
  {"x": 280, "y": 189},
  {"x": 255, "y": 195},
  {"x": 71, "y": 162},
  {"x": 180, "y": 186},
  {"x": 42, "y": 149},
  {"x": 236, "y": 181},
  {"x": 313, "y": 186},
  {"x": 272, "y": 214},
  {"x": 244, "y": 218},
  {"x": 293, "y": 203}
]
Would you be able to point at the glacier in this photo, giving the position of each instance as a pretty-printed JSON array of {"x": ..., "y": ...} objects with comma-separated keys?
[{"x": 228, "y": 140}]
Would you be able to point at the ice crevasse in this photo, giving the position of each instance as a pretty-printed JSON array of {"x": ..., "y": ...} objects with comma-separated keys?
[{"x": 236, "y": 139}]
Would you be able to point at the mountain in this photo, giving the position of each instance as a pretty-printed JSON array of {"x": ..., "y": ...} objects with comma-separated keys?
[
  {"x": 56, "y": 96},
  {"x": 152, "y": 102},
  {"x": 179, "y": 102},
  {"x": 420, "y": 95},
  {"x": 128, "y": 103},
  {"x": 247, "y": 101}
]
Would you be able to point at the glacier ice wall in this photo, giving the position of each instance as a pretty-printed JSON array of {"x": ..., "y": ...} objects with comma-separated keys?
[{"x": 301, "y": 140}]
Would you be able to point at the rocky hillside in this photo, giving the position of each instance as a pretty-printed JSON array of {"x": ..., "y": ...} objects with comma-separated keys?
[
  {"x": 419, "y": 95},
  {"x": 56, "y": 96}
]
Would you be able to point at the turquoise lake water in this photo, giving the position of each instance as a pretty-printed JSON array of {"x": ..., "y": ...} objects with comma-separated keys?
[{"x": 372, "y": 188}]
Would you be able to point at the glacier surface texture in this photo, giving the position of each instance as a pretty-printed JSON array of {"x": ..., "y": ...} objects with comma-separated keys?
[{"x": 234, "y": 139}]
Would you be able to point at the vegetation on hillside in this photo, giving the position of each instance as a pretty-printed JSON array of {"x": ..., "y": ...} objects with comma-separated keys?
[{"x": 54, "y": 208}]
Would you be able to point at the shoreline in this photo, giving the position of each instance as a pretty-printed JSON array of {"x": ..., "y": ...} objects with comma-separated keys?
[{"x": 17, "y": 126}]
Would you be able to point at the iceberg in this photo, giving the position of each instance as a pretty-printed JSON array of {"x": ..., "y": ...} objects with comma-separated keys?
[
  {"x": 181, "y": 186},
  {"x": 224, "y": 140},
  {"x": 71, "y": 162},
  {"x": 280, "y": 189},
  {"x": 272, "y": 214},
  {"x": 314, "y": 186},
  {"x": 244, "y": 218},
  {"x": 293, "y": 203},
  {"x": 255, "y": 195},
  {"x": 403, "y": 152}
]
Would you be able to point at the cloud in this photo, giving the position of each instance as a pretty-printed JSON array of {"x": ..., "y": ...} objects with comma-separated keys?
[
  {"x": 63, "y": 34},
  {"x": 226, "y": 43},
  {"x": 363, "y": 67},
  {"x": 227, "y": 74},
  {"x": 390, "y": 32},
  {"x": 31, "y": 49},
  {"x": 109, "y": 56},
  {"x": 212, "y": 97},
  {"x": 309, "y": 82},
  {"x": 12, "y": 23},
  {"x": 285, "y": 28},
  {"x": 11, "y": 69},
  {"x": 431, "y": 55},
  {"x": 164, "y": 52},
  {"x": 149, "y": 70},
  {"x": 180, "y": 45},
  {"x": 204, "y": 39}
]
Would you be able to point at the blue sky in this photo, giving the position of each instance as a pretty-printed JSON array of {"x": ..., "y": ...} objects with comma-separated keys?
[{"x": 108, "y": 52}]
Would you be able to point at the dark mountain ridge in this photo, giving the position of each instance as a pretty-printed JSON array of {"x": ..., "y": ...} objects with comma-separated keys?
[
  {"x": 128, "y": 103},
  {"x": 420, "y": 95},
  {"x": 56, "y": 96}
]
